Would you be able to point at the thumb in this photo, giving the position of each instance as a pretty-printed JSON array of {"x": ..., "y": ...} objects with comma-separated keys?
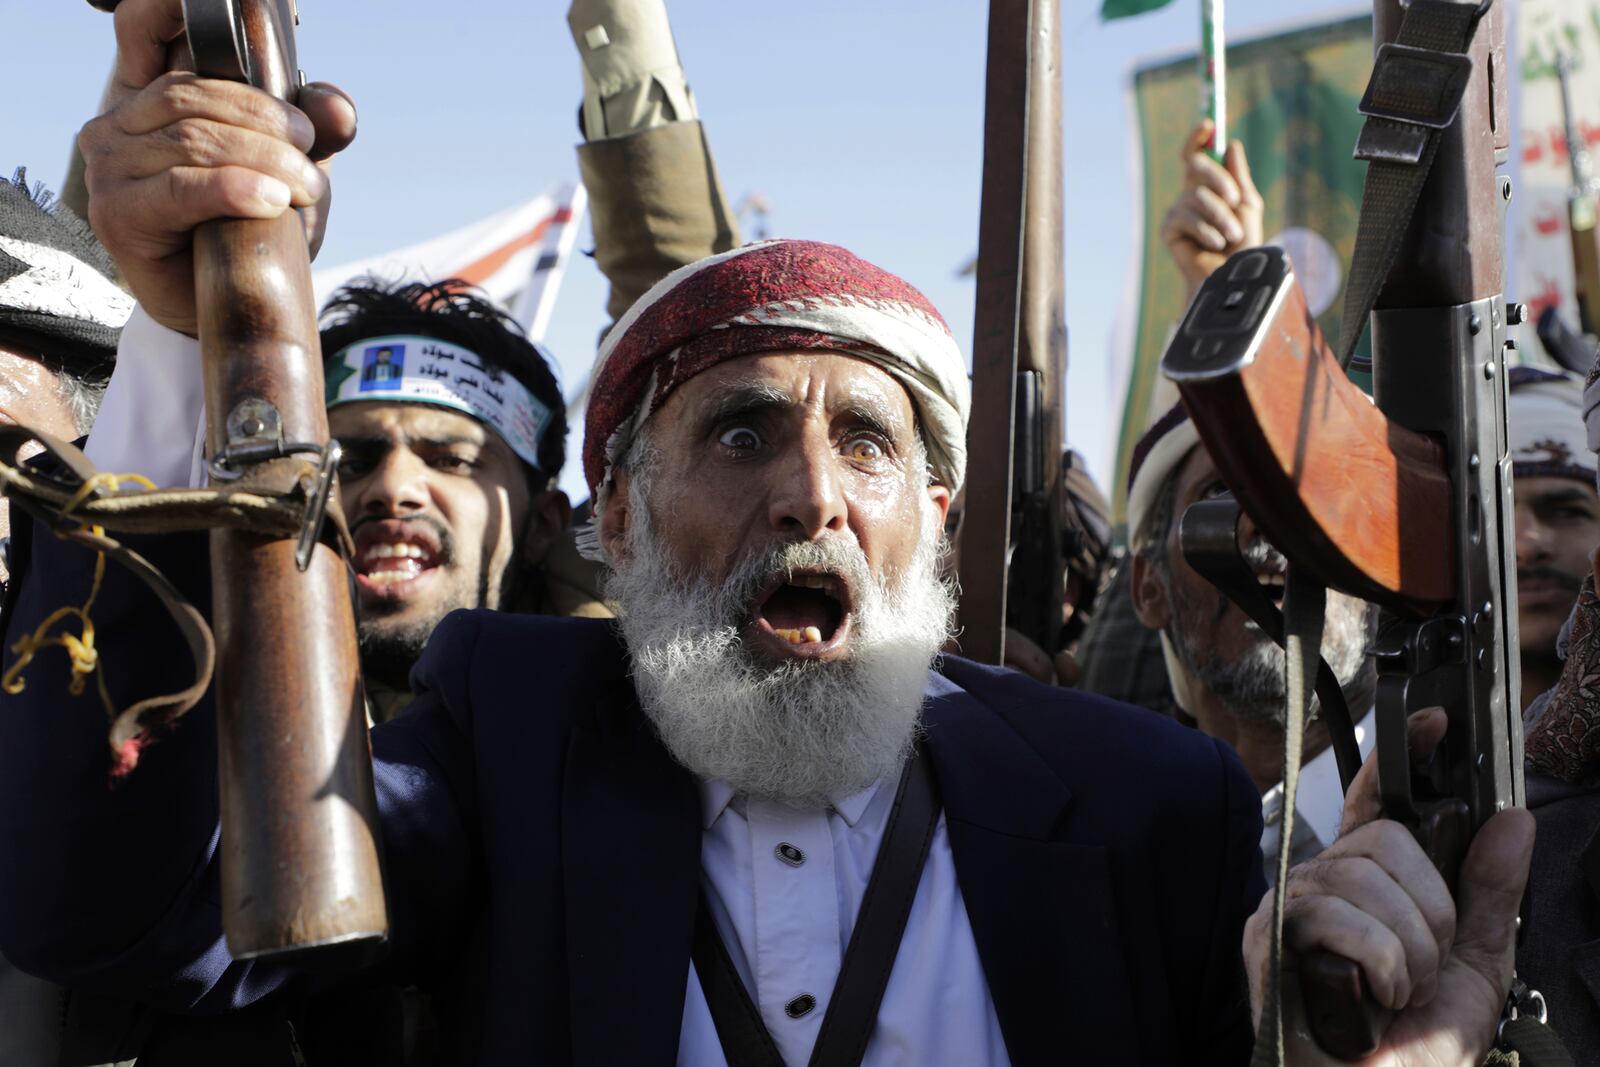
[
  {"x": 1197, "y": 140},
  {"x": 1489, "y": 895}
]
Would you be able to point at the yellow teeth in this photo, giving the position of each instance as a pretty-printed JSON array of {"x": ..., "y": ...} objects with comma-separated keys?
[{"x": 810, "y": 635}]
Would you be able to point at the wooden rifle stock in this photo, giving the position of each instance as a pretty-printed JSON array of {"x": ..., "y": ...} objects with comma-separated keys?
[
  {"x": 1406, "y": 503},
  {"x": 1011, "y": 564},
  {"x": 300, "y": 863}
]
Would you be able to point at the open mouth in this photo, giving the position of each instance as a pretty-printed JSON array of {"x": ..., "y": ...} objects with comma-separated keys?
[
  {"x": 1272, "y": 582},
  {"x": 391, "y": 556},
  {"x": 806, "y": 616}
]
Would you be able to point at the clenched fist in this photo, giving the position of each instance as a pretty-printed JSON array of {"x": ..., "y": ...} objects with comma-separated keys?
[{"x": 175, "y": 150}]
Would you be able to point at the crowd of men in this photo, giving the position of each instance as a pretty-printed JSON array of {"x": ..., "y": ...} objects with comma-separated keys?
[{"x": 641, "y": 764}]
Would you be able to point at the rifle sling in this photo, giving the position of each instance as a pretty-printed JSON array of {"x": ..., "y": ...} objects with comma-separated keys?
[
  {"x": 875, "y": 941},
  {"x": 1304, "y": 602},
  {"x": 1416, "y": 87}
]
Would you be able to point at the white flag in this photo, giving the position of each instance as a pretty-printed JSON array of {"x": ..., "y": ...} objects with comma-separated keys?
[{"x": 516, "y": 256}]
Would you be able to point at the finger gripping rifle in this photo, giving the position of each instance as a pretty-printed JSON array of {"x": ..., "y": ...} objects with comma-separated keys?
[
  {"x": 1406, "y": 503},
  {"x": 299, "y": 853}
]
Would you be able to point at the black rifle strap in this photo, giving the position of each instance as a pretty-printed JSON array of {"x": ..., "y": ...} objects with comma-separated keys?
[
  {"x": 874, "y": 942},
  {"x": 1416, "y": 87}
]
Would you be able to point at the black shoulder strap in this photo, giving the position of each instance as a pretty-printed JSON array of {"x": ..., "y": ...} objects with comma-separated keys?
[{"x": 875, "y": 941}]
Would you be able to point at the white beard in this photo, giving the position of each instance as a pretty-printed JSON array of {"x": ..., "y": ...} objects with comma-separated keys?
[{"x": 804, "y": 731}]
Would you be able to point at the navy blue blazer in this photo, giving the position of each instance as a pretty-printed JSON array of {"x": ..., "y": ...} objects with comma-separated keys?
[{"x": 542, "y": 848}]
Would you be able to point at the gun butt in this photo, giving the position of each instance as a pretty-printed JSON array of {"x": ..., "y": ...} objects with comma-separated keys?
[
  {"x": 300, "y": 860},
  {"x": 1314, "y": 463}
]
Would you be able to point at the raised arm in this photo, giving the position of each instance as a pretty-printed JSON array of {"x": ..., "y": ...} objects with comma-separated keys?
[{"x": 654, "y": 195}]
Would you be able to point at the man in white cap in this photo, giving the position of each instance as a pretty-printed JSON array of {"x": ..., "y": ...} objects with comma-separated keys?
[
  {"x": 1226, "y": 674},
  {"x": 1558, "y": 514}
]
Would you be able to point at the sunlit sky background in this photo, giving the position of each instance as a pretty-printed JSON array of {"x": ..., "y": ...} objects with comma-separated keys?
[{"x": 860, "y": 121}]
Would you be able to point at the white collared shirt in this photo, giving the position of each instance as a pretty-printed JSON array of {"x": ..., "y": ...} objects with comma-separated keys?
[
  {"x": 1319, "y": 804},
  {"x": 786, "y": 926}
]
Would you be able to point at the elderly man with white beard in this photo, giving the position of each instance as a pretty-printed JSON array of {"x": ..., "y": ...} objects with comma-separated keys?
[
  {"x": 762, "y": 822},
  {"x": 754, "y": 813},
  {"x": 754, "y": 821}
]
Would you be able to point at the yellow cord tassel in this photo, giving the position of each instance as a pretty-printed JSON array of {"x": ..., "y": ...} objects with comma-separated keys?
[{"x": 79, "y": 647}]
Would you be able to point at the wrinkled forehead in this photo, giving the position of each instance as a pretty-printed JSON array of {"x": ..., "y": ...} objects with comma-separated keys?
[{"x": 832, "y": 382}]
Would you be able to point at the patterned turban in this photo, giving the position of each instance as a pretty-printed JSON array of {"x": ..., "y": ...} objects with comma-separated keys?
[
  {"x": 769, "y": 297},
  {"x": 1545, "y": 422}
]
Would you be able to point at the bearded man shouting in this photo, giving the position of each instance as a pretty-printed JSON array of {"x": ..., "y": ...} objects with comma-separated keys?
[
  {"x": 760, "y": 821},
  {"x": 580, "y": 821}
]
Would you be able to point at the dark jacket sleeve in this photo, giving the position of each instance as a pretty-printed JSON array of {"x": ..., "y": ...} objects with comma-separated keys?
[{"x": 115, "y": 888}]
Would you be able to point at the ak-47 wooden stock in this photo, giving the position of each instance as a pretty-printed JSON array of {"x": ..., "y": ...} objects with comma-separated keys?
[
  {"x": 1011, "y": 565},
  {"x": 300, "y": 863}
]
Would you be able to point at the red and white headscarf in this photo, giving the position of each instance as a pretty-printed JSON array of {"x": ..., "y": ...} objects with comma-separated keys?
[{"x": 769, "y": 297}]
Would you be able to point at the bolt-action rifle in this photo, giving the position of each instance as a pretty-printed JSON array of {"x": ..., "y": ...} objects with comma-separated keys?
[
  {"x": 300, "y": 866},
  {"x": 1405, "y": 502},
  {"x": 1011, "y": 561}
]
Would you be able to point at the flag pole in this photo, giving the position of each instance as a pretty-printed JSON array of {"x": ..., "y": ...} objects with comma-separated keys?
[{"x": 1214, "y": 75}]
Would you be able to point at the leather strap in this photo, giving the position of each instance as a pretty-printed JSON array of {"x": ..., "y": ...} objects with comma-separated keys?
[
  {"x": 874, "y": 943},
  {"x": 1416, "y": 87}
]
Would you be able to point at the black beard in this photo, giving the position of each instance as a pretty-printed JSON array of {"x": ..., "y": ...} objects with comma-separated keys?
[{"x": 388, "y": 653}]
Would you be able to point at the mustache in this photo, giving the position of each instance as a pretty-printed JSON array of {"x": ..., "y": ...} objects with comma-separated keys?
[
  {"x": 839, "y": 555},
  {"x": 447, "y": 542},
  {"x": 1261, "y": 556},
  {"x": 1525, "y": 574}
]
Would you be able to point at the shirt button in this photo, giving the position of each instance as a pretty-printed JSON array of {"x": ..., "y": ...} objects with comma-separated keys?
[
  {"x": 787, "y": 853},
  {"x": 800, "y": 1006}
]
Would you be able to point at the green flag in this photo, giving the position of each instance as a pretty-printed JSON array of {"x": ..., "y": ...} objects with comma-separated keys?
[
  {"x": 1292, "y": 100},
  {"x": 1121, "y": 9}
]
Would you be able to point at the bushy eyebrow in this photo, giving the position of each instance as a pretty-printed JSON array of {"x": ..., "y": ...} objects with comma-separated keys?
[
  {"x": 746, "y": 398},
  {"x": 876, "y": 417}
]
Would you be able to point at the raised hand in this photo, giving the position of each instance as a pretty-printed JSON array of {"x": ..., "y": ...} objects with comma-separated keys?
[
  {"x": 175, "y": 150},
  {"x": 1218, "y": 213},
  {"x": 1441, "y": 967}
]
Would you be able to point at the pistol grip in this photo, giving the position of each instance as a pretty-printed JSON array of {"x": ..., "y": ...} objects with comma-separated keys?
[{"x": 1346, "y": 1022}]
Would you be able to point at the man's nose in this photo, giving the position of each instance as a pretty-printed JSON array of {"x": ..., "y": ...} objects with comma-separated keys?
[
  {"x": 396, "y": 486},
  {"x": 1533, "y": 544},
  {"x": 808, "y": 497}
]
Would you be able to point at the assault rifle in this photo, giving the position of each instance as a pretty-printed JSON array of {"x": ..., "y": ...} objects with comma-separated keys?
[
  {"x": 299, "y": 855},
  {"x": 1406, "y": 503},
  {"x": 1581, "y": 197},
  {"x": 1011, "y": 562}
]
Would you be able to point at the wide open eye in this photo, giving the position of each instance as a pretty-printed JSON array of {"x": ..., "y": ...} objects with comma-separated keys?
[
  {"x": 740, "y": 438},
  {"x": 863, "y": 450}
]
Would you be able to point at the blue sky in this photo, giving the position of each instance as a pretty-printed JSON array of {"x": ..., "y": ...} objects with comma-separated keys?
[{"x": 859, "y": 120}]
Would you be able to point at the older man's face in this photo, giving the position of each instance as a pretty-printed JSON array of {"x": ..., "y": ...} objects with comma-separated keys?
[
  {"x": 30, "y": 396},
  {"x": 1227, "y": 652},
  {"x": 786, "y": 447}
]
